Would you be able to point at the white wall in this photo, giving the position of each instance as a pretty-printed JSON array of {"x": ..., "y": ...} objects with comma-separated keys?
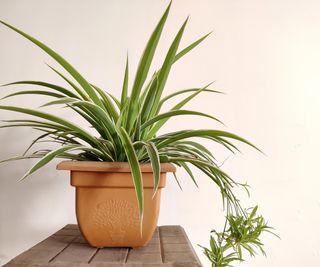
[{"x": 263, "y": 54}]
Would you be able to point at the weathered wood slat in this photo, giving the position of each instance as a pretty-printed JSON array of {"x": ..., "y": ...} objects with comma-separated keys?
[
  {"x": 111, "y": 255},
  {"x": 148, "y": 254},
  {"x": 42, "y": 253},
  {"x": 180, "y": 251},
  {"x": 76, "y": 253},
  {"x": 169, "y": 247}
]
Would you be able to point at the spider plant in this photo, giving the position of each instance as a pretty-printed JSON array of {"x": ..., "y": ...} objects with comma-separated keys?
[
  {"x": 240, "y": 233},
  {"x": 126, "y": 127}
]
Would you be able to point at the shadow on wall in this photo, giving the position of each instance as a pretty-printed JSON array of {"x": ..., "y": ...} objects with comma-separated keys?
[{"x": 33, "y": 209}]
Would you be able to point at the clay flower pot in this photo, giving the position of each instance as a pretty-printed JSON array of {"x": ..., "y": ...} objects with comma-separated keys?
[{"x": 106, "y": 203}]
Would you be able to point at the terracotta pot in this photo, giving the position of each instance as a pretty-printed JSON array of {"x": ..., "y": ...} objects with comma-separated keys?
[{"x": 106, "y": 204}]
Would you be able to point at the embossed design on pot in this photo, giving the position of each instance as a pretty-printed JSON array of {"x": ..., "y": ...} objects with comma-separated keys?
[{"x": 116, "y": 217}]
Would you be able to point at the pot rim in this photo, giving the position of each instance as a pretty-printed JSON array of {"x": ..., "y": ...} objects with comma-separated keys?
[{"x": 98, "y": 166}]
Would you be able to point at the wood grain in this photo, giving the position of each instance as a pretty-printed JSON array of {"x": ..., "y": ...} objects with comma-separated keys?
[{"x": 169, "y": 247}]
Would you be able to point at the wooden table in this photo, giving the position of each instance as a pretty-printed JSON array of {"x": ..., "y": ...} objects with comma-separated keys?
[{"x": 169, "y": 247}]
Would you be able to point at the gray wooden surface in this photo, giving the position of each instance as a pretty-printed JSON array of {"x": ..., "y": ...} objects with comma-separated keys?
[{"x": 169, "y": 247}]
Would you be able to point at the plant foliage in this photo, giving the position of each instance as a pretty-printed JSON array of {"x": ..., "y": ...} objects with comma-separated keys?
[
  {"x": 241, "y": 233},
  {"x": 126, "y": 129}
]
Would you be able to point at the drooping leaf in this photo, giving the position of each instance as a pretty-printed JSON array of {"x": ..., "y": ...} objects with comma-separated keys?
[
  {"x": 66, "y": 65},
  {"x": 33, "y": 92},
  {"x": 201, "y": 133},
  {"x": 47, "y": 158},
  {"x": 135, "y": 168},
  {"x": 155, "y": 163},
  {"x": 84, "y": 134},
  {"x": 58, "y": 88},
  {"x": 188, "y": 170},
  {"x": 160, "y": 119},
  {"x": 61, "y": 101}
]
